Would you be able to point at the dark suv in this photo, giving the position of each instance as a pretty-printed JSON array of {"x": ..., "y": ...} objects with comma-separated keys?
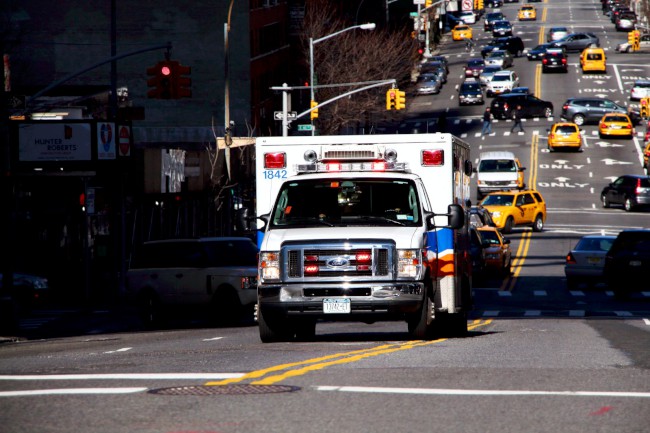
[
  {"x": 503, "y": 105},
  {"x": 490, "y": 18},
  {"x": 591, "y": 110},
  {"x": 627, "y": 262},
  {"x": 513, "y": 44},
  {"x": 555, "y": 61},
  {"x": 631, "y": 191}
]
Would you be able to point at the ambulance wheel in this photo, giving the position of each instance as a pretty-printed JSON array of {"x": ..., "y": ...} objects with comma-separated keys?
[{"x": 270, "y": 330}]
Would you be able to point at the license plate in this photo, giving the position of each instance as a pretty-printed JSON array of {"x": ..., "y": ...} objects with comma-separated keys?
[
  {"x": 336, "y": 306},
  {"x": 635, "y": 262},
  {"x": 594, "y": 260}
]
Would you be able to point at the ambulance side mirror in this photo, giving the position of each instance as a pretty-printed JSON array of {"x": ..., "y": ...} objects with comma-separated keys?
[
  {"x": 265, "y": 221},
  {"x": 455, "y": 218}
]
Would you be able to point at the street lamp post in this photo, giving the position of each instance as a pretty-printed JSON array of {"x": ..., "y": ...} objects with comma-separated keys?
[{"x": 312, "y": 42}]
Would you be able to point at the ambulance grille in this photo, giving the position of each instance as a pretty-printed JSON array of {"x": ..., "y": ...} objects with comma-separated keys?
[{"x": 379, "y": 263}]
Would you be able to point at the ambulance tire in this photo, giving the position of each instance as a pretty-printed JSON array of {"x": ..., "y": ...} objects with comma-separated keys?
[
  {"x": 270, "y": 329},
  {"x": 421, "y": 324}
]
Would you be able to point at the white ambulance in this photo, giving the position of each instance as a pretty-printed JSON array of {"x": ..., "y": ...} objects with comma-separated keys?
[{"x": 363, "y": 228}]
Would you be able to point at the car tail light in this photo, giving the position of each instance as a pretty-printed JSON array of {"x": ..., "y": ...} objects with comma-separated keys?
[
  {"x": 639, "y": 189},
  {"x": 628, "y": 126},
  {"x": 570, "y": 260},
  {"x": 505, "y": 106},
  {"x": 551, "y": 136},
  {"x": 602, "y": 125},
  {"x": 544, "y": 61},
  {"x": 565, "y": 107},
  {"x": 564, "y": 61}
]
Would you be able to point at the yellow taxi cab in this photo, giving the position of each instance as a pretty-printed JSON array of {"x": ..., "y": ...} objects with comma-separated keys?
[
  {"x": 461, "y": 32},
  {"x": 615, "y": 124},
  {"x": 516, "y": 209},
  {"x": 646, "y": 158},
  {"x": 498, "y": 255},
  {"x": 593, "y": 59},
  {"x": 527, "y": 13},
  {"x": 564, "y": 135}
]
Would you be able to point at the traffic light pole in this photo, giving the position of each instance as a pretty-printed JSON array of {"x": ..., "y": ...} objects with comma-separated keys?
[
  {"x": 285, "y": 98},
  {"x": 40, "y": 93}
]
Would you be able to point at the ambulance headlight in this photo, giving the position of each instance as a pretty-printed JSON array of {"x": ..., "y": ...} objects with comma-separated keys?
[
  {"x": 409, "y": 263},
  {"x": 310, "y": 156},
  {"x": 269, "y": 266}
]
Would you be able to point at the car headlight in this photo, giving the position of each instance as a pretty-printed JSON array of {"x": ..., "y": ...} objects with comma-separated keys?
[{"x": 496, "y": 214}]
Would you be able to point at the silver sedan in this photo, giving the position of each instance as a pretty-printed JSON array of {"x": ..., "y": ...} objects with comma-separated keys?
[{"x": 499, "y": 58}]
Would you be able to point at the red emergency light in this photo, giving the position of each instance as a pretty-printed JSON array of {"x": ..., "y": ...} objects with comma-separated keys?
[
  {"x": 433, "y": 158},
  {"x": 275, "y": 160}
]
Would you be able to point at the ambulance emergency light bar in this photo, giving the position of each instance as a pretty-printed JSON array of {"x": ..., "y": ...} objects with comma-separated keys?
[{"x": 342, "y": 161}]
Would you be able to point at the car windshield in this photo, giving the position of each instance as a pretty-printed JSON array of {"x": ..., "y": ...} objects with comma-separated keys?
[
  {"x": 594, "y": 244},
  {"x": 491, "y": 236},
  {"x": 497, "y": 200},
  {"x": 475, "y": 63},
  {"x": 566, "y": 129},
  {"x": 468, "y": 87},
  {"x": 497, "y": 54},
  {"x": 498, "y": 77},
  {"x": 492, "y": 165},
  {"x": 491, "y": 69},
  {"x": 616, "y": 119},
  {"x": 345, "y": 202},
  {"x": 642, "y": 85}
]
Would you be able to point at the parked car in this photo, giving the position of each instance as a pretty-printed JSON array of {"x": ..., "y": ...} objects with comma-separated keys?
[
  {"x": 29, "y": 290},
  {"x": 442, "y": 59},
  {"x": 555, "y": 61},
  {"x": 474, "y": 67},
  {"x": 516, "y": 208},
  {"x": 502, "y": 82},
  {"x": 626, "y": 21},
  {"x": 591, "y": 109},
  {"x": 480, "y": 217},
  {"x": 627, "y": 262},
  {"x": 564, "y": 136},
  {"x": 213, "y": 275},
  {"x": 470, "y": 92},
  {"x": 640, "y": 89},
  {"x": 498, "y": 255},
  {"x": 616, "y": 124},
  {"x": 500, "y": 58},
  {"x": 632, "y": 191},
  {"x": 468, "y": 17},
  {"x": 644, "y": 46},
  {"x": 531, "y": 106},
  {"x": 487, "y": 74},
  {"x": 428, "y": 84},
  {"x": 501, "y": 28},
  {"x": 556, "y": 33},
  {"x": 584, "y": 263},
  {"x": 577, "y": 41}
]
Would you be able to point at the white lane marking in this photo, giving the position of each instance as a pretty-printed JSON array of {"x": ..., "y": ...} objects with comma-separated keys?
[
  {"x": 71, "y": 391},
  {"x": 576, "y": 313},
  {"x": 212, "y": 339},
  {"x": 532, "y": 313},
  {"x": 577, "y": 293},
  {"x": 623, "y": 313},
  {"x": 646, "y": 321},
  {"x": 539, "y": 292},
  {"x": 136, "y": 376},
  {"x": 481, "y": 392},
  {"x": 124, "y": 349},
  {"x": 504, "y": 293}
]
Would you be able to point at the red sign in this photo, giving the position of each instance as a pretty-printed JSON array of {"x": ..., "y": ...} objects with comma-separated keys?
[{"x": 124, "y": 144}]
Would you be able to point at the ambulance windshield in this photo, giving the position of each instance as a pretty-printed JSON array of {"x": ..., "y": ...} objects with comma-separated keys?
[{"x": 346, "y": 202}]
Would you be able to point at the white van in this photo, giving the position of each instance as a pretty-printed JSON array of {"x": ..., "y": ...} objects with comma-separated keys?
[{"x": 498, "y": 171}]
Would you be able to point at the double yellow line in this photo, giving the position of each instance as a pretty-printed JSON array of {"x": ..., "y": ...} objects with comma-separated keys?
[
  {"x": 278, "y": 373},
  {"x": 522, "y": 250}
]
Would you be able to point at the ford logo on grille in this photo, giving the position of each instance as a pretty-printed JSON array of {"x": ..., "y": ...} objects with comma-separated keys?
[{"x": 338, "y": 262}]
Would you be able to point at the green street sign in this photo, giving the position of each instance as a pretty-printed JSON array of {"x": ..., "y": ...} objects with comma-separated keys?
[{"x": 305, "y": 127}]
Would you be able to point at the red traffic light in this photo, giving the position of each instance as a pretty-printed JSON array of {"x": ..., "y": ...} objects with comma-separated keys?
[
  {"x": 165, "y": 70},
  {"x": 169, "y": 80}
]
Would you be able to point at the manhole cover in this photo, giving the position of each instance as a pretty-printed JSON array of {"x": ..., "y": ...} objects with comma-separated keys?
[{"x": 224, "y": 389}]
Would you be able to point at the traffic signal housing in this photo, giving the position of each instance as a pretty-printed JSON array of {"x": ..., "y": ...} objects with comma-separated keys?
[
  {"x": 181, "y": 81},
  {"x": 391, "y": 99},
  {"x": 314, "y": 111},
  {"x": 400, "y": 100},
  {"x": 160, "y": 81},
  {"x": 644, "y": 108},
  {"x": 169, "y": 80}
]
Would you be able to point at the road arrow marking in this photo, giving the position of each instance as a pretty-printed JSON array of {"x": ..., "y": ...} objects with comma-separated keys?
[{"x": 614, "y": 162}]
